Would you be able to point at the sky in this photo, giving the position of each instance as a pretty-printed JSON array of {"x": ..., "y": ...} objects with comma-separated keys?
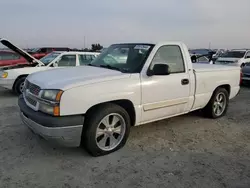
[{"x": 33, "y": 23}]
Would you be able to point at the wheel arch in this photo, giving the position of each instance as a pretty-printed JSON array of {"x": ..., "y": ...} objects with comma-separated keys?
[
  {"x": 19, "y": 77},
  {"x": 124, "y": 103},
  {"x": 226, "y": 87}
]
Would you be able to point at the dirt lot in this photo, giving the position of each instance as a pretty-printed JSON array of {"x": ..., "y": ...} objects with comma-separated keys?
[{"x": 187, "y": 151}]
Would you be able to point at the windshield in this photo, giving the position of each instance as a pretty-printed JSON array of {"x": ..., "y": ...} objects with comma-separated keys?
[
  {"x": 49, "y": 58},
  {"x": 233, "y": 54},
  {"x": 128, "y": 58}
]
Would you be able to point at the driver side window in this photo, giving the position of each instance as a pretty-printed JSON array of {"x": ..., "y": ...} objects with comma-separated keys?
[
  {"x": 67, "y": 61},
  {"x": 170, "y": 55}
]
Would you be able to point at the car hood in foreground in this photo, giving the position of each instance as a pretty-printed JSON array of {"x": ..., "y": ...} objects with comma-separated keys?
[{"x": 66, "y": 78}]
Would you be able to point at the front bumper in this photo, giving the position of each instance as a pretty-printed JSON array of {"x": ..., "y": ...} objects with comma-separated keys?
[
  {"x": 6, "y": 83},
  {"x": 66, "y": 131}
]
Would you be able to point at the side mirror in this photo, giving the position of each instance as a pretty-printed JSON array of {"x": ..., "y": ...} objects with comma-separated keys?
[{"x": 159, "y": 69}]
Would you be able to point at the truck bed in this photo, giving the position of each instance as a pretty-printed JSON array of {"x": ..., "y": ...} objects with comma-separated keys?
[
  {"x": 198, "y": 67},
  {"x": 208, "y": 77}
]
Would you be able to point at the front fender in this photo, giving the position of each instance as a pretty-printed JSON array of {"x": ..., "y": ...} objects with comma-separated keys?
[{"x": 79, "y": 99}]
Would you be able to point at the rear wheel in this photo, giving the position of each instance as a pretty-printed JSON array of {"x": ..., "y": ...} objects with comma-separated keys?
[
  {"x": 19, "y": 85},
  {"x": 106, "y": 129},
  {"x": 218, "y": 104}
]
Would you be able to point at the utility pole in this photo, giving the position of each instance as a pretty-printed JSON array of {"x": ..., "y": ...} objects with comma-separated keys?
[{"x": 84, "y": 43}]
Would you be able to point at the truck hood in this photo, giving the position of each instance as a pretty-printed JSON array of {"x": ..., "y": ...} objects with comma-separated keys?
[
  {"x": 21, "y": 52},
  {"x": 66, "y": 78}
]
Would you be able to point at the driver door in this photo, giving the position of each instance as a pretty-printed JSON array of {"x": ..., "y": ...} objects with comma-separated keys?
[{"x": 166, "y": 95}]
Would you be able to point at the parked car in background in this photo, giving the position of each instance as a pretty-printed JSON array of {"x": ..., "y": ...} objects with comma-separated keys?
[
  {"x": 13, "y": 77},
  {"x": 218, "y": 53},
  {"x": 96, "y": 105},
  {"x": 197, "y": 58},
  {"x": 8, "y": 58},
  {"x": 234, "y": 57},
  {"x": 246, "y": 73},
  {"x": 38, "y": 53},
  {"x": 201, "y": 51}
]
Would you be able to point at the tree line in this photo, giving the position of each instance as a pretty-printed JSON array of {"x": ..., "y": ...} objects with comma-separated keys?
[{"x": 94, "y": 48}]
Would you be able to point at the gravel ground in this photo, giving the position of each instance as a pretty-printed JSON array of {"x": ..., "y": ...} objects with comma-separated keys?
[{"x": 186, "y": 151}]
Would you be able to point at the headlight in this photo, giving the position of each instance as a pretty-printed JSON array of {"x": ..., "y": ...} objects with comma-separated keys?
[
  {"x": 52, "y": 95},
  {"x": 48, "y": 109},
  {"x": 4, "y": 75},
  {"x": 51, "y": 103}
]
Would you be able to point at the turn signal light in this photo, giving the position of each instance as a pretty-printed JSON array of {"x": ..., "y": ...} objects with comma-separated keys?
[{"x": 56, "y": 111}]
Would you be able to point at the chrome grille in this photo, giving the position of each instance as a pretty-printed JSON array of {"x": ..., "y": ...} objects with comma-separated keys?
[
  {"x": 31, "y": 101},
  {"x": 34, "y": 89}
]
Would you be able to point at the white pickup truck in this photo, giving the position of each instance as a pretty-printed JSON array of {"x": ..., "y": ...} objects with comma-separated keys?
[
  {"x": 13, "y": 77},
  {"x": 96, "y": 105}
]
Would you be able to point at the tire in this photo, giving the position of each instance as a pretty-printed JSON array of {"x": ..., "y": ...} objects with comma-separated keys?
[
  {"x": 18, "y": 85},
  {"x": 209, "y": 110},
  {"x": 101, "y": 145}
]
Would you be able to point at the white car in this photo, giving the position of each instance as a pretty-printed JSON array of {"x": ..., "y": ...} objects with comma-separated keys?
[
  {"x": 234, "y": 57},
  {"x": 96, "y": 105},
  {"x": 13, "y": 77}
]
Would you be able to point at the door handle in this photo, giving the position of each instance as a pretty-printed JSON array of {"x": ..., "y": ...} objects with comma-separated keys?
[{"x": 184, "y": 81}]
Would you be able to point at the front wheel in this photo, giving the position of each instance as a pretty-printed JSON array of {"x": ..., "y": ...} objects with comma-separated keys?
[
  {"x": 218, "y": 104},
  {"x": 19, "y": 85},
  {"x": 106, "y": 129}
]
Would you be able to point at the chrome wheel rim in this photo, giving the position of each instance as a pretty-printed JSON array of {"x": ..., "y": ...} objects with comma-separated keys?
[
  {"x": 219, "y": 104},
  {"x": 110, "y": 131},
  {"x": 21, "y": 87}
]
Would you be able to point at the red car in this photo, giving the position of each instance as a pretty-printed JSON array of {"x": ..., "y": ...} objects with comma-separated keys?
[
  {"x": 8, "y": 58},
  {"x": 38, "y": 53}
]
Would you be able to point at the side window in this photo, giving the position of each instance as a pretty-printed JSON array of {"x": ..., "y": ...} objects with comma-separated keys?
[
  {"x": 9, "y": 56},
  {"x": 49, "y": 50},
  {"x": 85, "y": 59},
  {"x": 170, "y": 55},
  {"x": 204, "y": 59},
  {"x": 247, "y": 55},
  {"x": 67, "y": 61},
  {"x": 43, "y": 50}
]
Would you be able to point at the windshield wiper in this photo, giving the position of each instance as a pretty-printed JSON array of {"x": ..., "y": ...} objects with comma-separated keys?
[
  {"x": 92, "y": 65},
  {"x": 111, "y": 67},
  {"x": 106, "y": 66}
]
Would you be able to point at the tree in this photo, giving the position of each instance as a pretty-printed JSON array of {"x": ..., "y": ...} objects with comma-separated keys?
[{"x": 96, "y": 47}]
